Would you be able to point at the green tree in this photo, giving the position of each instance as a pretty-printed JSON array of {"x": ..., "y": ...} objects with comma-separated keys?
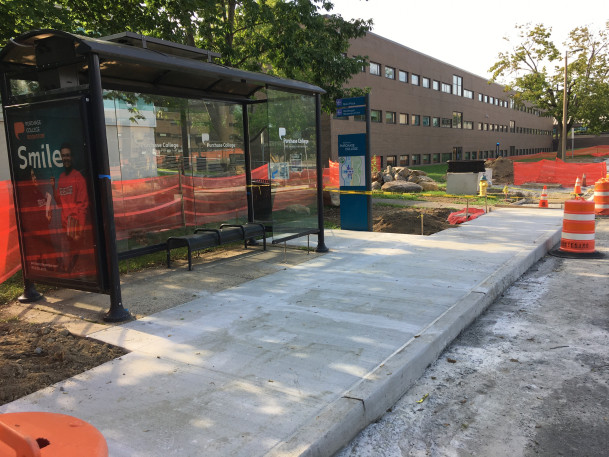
[
  {"x": 534, "y": 70},
  {"x": 298, "y": 39}
]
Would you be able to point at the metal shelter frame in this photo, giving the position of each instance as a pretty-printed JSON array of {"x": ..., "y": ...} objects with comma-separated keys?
[{"x": 69, "y": 65}]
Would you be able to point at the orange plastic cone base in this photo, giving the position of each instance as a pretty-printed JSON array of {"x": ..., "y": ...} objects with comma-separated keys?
[{"x": 49, "y": 434}]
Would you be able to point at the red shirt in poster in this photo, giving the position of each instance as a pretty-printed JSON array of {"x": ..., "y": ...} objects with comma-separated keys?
[{"x": 72, "y": 197}]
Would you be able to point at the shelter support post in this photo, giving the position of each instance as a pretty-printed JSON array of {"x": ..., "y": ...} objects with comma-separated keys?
[
  {"x": 321, "y": 245},
  {"x": 30, "y": 294},
  {"x": 116, "y": 313},
  {"x": 248, "y": 165}
]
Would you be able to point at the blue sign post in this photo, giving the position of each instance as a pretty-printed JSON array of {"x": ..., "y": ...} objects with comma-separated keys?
[{"x": 354, "y": 169}]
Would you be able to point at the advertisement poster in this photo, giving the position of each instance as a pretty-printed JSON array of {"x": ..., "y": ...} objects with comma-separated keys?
[{"x": 51, "y": 168}]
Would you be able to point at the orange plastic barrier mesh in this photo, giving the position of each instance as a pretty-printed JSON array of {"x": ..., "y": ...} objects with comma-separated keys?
[
  {"x": 557, "y": 171},
  {"x": 10, "y": 257},
  {"x": 539, "y": 155},
  {"x": 150, "y": 204},
  {"x": 464, "y": 215}
]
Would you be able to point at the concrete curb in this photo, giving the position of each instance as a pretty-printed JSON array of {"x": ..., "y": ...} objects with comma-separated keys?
[{"x": 338, "y": 423}]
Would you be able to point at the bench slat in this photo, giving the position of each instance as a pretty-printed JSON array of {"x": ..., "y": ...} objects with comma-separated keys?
[{"x": 208, "y": 238}]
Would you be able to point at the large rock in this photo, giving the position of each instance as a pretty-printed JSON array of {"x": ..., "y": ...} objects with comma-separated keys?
[
  {"x": 376, "y": 185},
  {"x": 402, "y": 172},
  {"x": 378, "y": 176},
  {"x": 387, "y": 177},
  {"x": 401, "y": 187},
  {"x": 332, "y": 198},
  {"x": 298, "y": 209},
  {"x": 428, "y": 185},
  {"x": 418, "y": 172}
]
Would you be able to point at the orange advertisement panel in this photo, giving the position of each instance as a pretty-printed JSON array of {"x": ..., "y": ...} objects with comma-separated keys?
[{"x": 50, "y": 166}]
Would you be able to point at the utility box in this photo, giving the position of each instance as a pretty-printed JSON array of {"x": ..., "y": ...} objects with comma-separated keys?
[
  {"x": 463, "y": 175},
  {"x": 462, "y": 183},
  {"x": 465, "y": 166}
]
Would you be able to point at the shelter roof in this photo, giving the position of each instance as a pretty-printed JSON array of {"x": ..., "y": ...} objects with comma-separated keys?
[{"x": 137, "y": 63}]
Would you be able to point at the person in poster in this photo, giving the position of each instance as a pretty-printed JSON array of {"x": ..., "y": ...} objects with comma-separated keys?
[
  {"x": 37, "y": 215},
  {"x": 72, "y": 197}
]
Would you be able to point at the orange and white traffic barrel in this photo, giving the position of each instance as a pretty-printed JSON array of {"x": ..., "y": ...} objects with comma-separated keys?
[
  {"x": 578, "y": 227},
  {"x": 601, "y": 197}
]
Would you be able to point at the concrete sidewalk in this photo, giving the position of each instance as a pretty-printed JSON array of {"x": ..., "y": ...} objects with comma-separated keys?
[{"x": 296, "y": 362}]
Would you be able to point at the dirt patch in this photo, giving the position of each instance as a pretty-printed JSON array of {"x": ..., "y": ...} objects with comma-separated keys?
[
  {"x": 412, "y": 220},
  {"x": 391, "y": 219},
  {"x": 503, "y": 170},
  {"x": 34, "y": 356}
]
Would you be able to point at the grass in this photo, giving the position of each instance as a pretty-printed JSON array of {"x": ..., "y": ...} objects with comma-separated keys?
[
  {"x": 13, "y": 287},
  {"x": 436, "y": 172}
]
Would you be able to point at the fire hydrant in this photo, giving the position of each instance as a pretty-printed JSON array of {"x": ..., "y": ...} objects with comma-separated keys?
[{"x": 483, "y": 184}]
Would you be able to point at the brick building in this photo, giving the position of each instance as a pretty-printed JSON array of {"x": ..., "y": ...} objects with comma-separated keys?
[{"x": 426, "y": 111}]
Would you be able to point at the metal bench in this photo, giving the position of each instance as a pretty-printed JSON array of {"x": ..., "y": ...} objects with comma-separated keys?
[{"x": 209, "y": 238}]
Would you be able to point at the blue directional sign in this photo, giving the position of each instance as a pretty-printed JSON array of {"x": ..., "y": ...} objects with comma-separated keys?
[
  {"x": 353, "y": 101},
  {"x": 351, "y": 111}
]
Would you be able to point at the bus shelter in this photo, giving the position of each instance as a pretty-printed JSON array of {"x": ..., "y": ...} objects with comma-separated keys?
[{"x": 119, "y": 143}]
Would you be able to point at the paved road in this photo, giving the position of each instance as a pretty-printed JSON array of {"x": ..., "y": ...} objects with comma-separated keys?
[{"x": 529, "y": 378}]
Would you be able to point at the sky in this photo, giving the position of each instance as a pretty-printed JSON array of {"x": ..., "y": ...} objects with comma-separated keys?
[{"x": 469, "y": 34}]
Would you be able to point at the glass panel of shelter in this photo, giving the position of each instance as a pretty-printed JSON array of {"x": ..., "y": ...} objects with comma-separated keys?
[
  {"x": 175, "y": 163},
  {"x": 292, "y": 150}
]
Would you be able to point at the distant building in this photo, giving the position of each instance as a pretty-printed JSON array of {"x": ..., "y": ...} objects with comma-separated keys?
[{"x": 425, "y": 111}]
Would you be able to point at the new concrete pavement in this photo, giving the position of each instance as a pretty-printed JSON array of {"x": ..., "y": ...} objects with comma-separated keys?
[{"x": 296, "y": 362}]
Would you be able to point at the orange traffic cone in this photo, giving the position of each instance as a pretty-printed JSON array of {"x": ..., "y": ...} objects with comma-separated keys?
[
  {"x": 577, "y": 190},
  {"x": 543, "y": 200}
]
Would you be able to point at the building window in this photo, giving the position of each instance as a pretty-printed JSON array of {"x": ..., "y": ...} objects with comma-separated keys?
[
  {"x": 389, "y": 117},
  {"x": 416, "y": 159},
  {"x": 404, "y": 162},
  {"x": 426, "y": 121},
  {"x": 468, "y": 125},
  {"x": 359, "y": 117},
  {"x": 457, "y": 85},
  {"x": 435, "y": 85},
  {"x": 416, "y": 119},
  {"x": 446, "y": 88},
  {"x": 491, "y": 100},
  {"x": 403, "y": 118},
  {"x": 403, "y": 76},
  {"x": 480, "y": 97},
  {"x": 389, "y": 72},
  {"x": 486, "y": 99},
  {"x": 479, "y": 125},
  {"x": 376, "y": 115},
  {"x": 391, "y": 161},
  {"x": 512, "y": 126},
  {"x": 414, "y": 79},
  {"x": 435, "y": 121},
  {"x": 468, "y": 94},
  {"x": 375, "y": 69},
  {"x": 457, "y": 120},
  {"x": 425, "y": 82},
  {"x": 447, "y": 123}
]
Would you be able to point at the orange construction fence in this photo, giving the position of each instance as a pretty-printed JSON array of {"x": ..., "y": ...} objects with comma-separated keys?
[
  {"x": 149, "y": 204},
  {"x": 557, "y": 171}
]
